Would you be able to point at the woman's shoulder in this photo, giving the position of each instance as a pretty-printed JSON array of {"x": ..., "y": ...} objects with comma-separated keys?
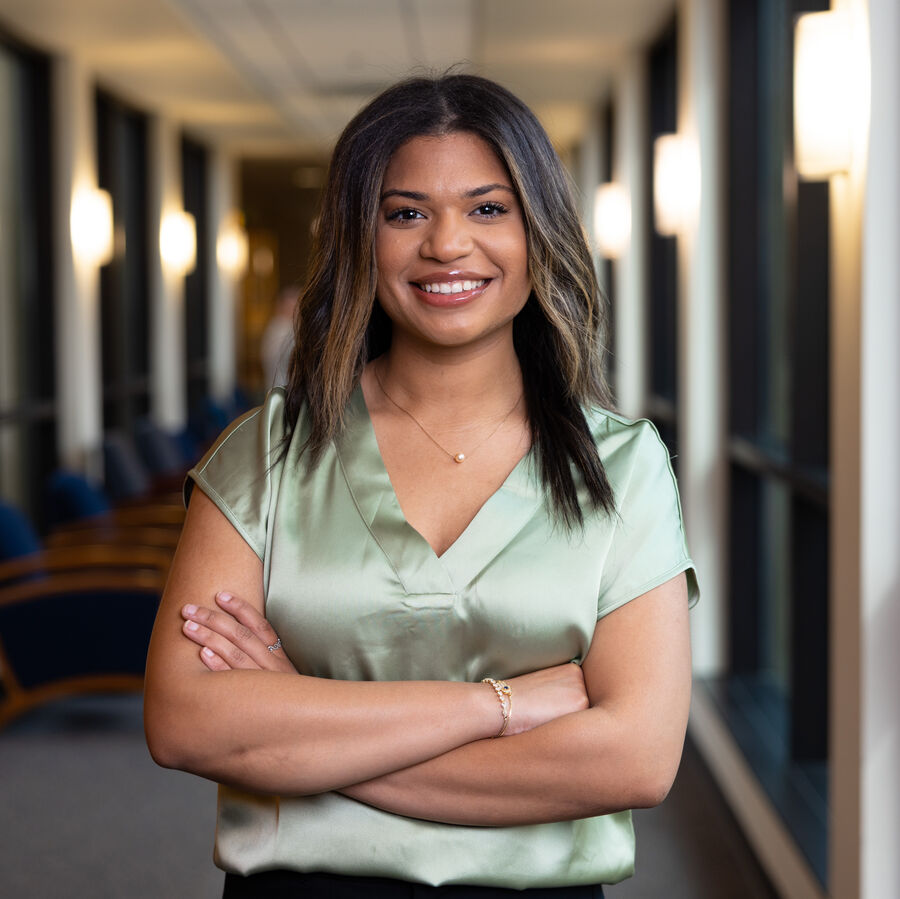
[
  {"x": 616, "y": 435},
  {"x": 252, "y": 439},
  {"x": 240, "y": 471}
]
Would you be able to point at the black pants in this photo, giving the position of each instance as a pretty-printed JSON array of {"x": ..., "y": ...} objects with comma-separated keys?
[{"x": 293, "y": 885}]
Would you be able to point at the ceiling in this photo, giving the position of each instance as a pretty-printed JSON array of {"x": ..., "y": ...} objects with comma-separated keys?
[{"x": 283, "y": 76}]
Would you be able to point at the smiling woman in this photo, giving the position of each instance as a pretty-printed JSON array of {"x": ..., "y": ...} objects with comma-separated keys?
[
  {"x": 353, "y": 614},
  {"x": 450, "y": 218}
]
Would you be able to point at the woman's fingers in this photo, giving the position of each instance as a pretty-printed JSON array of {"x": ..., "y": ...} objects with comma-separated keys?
[
  {"x": 212, "y": 661},
  {"x": 245, "y": 614},
  {"x": 223, "y": 647},
  {"x": 237, "y": 633}
]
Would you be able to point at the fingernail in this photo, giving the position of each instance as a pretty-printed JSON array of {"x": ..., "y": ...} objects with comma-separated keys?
[
  {"x": 225, "y": 597},
  {"x": 207, "y": 652},
  {"x": 192, "y": 626},
  {"x": 190, "y": 609}
]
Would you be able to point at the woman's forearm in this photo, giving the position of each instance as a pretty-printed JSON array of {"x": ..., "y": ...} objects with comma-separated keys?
[
  {"x": 583, "y": 764},
  {"x": 288, "y": 734}
]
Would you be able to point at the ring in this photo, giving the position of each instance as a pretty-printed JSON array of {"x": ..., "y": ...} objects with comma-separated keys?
[{"x": 275, "y": 645}]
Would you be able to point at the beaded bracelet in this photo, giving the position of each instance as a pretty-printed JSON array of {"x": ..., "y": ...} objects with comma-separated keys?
[{"x": 504, "y": 694}]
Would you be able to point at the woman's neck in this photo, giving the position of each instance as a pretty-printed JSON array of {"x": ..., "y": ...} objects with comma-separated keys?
[{"x": 471, "y": 383}]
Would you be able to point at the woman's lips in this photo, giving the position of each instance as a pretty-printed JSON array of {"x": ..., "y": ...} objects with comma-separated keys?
[{"x": 450, "y": 293}]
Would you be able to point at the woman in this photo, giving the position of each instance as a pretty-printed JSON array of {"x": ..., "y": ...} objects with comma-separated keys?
[{"x": 436, "y": 499}]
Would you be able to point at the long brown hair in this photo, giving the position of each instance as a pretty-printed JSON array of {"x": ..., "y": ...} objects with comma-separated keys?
[{"x": 559, "y": 333}]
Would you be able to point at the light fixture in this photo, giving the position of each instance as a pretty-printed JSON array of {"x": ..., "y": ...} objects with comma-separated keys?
[
  {"x": 612, "y": 219},
  {"x": 91, "y": 224},
  {"x": 178, "y": 242},
  {"x": 676, "y": 183},
  {"x": 232, "y": 251},
  {"x": 827, "y": 93}
]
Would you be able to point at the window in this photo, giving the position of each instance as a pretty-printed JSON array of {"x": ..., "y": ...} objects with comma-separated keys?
[
  {"x": 27, "y": 348},
  {"x": 194, "y": 168},
  {"x": 776, "y": 695},
  {"x": 662, "y": 320},
  {"x": 608, "y": 124},
  {"x": 122, "y": 170}
]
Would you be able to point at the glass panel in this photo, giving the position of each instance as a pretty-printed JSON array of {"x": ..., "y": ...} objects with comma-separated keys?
[
  {"x": 774, "y": 237},
  {"x": 11, "y": 325},
  {"x": 775, "y": 583}
]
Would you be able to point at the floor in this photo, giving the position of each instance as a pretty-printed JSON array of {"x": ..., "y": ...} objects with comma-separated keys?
[{"x": 86, "y": 813}]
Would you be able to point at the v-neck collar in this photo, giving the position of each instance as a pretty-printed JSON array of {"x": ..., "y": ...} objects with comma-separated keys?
[{"x": 419, "y": 569}]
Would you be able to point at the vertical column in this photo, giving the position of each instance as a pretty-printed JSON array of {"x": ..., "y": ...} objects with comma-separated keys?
[
  {"x": 880, "y": 519},
  {"x": 630, "y": 270},
  {"x": 701, "y": 376},
  {"x": 851, "y": 803},
  {"x": 167, "y": 349},
  {"x": 77, "y": 283},
  {"x": 590, "y": 164},
  {"x": 223, "y": 285}
]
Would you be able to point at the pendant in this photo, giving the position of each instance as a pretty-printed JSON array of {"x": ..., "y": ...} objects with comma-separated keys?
[{"x": 459, "y": 457}]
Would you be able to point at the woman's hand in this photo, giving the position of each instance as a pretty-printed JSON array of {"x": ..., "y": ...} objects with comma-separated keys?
[
  {"x": 234, "y": 636},
  {"x": 543, "y": 696}
]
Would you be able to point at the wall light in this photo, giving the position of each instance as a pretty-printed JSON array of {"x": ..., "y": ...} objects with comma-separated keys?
[
  {"x": 827, "y": 93},
  {"x": 676, "y": 183},
  {"x": 91, "y": 224},
  {"x": 232, "y": 249},
  {"x": 178, "y": 242},
  {"x": 612, "y": 219}
]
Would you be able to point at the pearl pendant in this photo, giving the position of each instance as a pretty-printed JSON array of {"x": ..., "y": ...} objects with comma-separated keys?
[{"x": 459, "y": 457}]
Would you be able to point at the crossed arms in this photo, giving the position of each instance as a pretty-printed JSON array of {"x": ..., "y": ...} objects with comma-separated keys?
[{"x": 582, "y": 740}]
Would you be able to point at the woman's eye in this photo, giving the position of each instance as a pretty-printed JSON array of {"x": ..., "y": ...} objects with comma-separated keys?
[
  {"x": 403, "y": 215},
  {"x": 491, "y": 210}
]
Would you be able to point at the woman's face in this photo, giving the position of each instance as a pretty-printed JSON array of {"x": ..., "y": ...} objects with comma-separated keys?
[{"x": 450, "y": 244}]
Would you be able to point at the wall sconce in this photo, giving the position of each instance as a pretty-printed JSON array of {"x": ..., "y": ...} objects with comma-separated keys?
[
  {"x": 178, "y": 242},
  {"x": 91, "y": 224},
  {"x": 676, "y": 183},
  {"x": 612, "y": 219},
  {"x": 827, "y": 93},
  {"x": 232, "y": 249}
]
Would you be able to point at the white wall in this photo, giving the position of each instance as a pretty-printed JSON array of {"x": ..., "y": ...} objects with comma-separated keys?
[
  {"x": 76, "y": 284},
  {"x": 702, "y": 252},
  {"x": 223, "y": 287},
  {"x": 167, "y": 316},
  {"x": 880, "y": 472},
  {"x": 630, "y": 270}
]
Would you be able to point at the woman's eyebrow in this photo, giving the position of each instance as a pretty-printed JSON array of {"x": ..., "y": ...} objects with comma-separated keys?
[
  {"x": 486, "y": 189},
  {"x": 467, "y": 195}
]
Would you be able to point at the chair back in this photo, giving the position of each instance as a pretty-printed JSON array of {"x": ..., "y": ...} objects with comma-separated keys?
[
  {"x": 17, "y": 536},
  {"x": 71, "y": 496}
]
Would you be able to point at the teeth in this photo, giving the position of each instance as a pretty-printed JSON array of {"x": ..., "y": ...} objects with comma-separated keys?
[{"x": 452, "y": 286}]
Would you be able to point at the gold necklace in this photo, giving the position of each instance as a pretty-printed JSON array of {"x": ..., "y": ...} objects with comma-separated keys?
[{"x": 456, "y": 457}]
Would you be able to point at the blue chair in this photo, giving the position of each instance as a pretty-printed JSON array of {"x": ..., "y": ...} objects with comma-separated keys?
[
  {"x": 17, "y": 536},
  {"x": 94, "y": 623},
  {"x": 70, "y": 497},
  {"x": 125, "y": 474},
  {"x": 160, "y": 451}
]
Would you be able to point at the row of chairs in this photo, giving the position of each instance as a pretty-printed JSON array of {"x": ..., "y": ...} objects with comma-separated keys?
[{"x": 77, "y": 607}]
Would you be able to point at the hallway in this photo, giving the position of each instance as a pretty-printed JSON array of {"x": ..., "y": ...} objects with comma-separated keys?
[{"x": 86, "y": 813}]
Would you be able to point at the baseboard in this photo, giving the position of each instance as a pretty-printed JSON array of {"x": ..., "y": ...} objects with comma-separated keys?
[{"x": 784, "y": 864}]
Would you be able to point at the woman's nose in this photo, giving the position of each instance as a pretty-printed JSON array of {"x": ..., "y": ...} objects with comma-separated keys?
[{"x": 447, "y": 238}]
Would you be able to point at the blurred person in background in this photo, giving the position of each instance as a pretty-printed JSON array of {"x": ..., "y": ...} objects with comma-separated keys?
[
  {"x": 278, "y": 338},
  {"x": 389, "y": 568}
]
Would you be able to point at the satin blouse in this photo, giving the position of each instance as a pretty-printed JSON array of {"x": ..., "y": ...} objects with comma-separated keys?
[{"x": 355, "y": 593}]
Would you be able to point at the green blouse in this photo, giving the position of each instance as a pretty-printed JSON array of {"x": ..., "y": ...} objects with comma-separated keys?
[{"x": 356, "y": 593}]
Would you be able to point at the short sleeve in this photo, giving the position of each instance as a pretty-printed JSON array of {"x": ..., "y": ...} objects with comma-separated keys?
[
  {"x": 237, "y": 472},
  {"x": 648, "y": 545}
]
